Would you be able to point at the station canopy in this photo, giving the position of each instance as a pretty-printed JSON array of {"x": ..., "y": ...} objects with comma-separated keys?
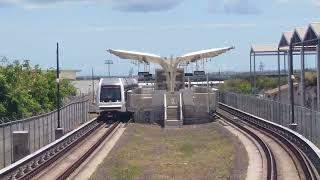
[
  {"x": 152, "y": 58},
  {"x": 285, "y": 40},
  {"x": 264, "y": 48},
  {"x": 313, "y": 33},
  {"x": 299, "y": 34}
]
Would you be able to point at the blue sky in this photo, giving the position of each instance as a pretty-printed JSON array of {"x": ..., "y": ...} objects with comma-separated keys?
[{"x": 30, "y": 28}]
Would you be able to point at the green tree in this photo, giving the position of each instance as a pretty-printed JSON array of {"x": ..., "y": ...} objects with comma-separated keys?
[{"x": 26, "y": 90}]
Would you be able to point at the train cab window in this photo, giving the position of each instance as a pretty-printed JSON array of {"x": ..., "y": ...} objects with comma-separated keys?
[{"x": 110, "y": 93}]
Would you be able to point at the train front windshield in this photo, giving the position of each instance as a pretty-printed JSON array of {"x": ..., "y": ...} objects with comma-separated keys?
[{"x": 110, "y": 93}]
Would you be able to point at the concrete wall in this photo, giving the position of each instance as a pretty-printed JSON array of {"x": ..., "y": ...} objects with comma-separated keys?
[{"x": 149, "y": 108}]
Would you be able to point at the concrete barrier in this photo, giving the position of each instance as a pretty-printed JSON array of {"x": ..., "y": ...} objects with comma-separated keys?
[{"x": 20, "y": 144}]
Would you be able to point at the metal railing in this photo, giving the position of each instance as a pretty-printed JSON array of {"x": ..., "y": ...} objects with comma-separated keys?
[
  {"x": 41, "y": 129},
  {"x": 308, "y": 120},
  {"x": 32, "y": 164}
]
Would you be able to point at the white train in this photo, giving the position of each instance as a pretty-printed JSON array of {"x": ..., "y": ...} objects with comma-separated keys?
[{"x": 112, "y": 97}]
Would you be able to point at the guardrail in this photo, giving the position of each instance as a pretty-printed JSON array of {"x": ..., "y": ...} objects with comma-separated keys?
[
  {"x": 280, "y": 113},
  {"x": 41, "y": 129},
  {"x": 37, "y": 161},
  {"x": 311, "y": 152}
]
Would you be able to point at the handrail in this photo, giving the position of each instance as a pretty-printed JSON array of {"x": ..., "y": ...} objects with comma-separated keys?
[{"x": 181, "y": 109}]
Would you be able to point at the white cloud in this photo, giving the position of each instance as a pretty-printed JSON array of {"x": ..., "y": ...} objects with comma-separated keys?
[
  {"x": 122, "y": 5},
  {"x": 145, "y": 5},
  {"x": 241, "y": 6},
  {"x": 174, "y": 27},
  {"x": 234, "y": 6},
  {"x": 316, "y": 2}
]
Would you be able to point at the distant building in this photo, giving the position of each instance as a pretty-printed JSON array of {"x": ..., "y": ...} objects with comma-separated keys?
[
  {"x": 273, "y": 94},
  {"x": 86, "y": 86},
  {"x": 69, "y": 74},
  {"x": 310, "y": 99}
]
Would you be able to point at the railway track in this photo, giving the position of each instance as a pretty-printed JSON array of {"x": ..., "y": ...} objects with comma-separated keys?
[
  {"x": 68, "y": 162},
  {"x": 284, "y": 160},
  {"x": 61, "y": 158}
]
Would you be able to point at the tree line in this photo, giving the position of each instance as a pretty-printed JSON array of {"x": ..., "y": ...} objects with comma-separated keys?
[
  {"x": 27, "y": 90},
  {"x": 243, "y": 85}
]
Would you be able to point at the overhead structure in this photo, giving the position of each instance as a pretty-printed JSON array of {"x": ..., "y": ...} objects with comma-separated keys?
[
  {"x": 169, "y": 65},
  {"x": 301, "y": 41}
]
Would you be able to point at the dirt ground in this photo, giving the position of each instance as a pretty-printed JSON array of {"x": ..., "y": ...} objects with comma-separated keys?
[{"x": 205, "y": 151}]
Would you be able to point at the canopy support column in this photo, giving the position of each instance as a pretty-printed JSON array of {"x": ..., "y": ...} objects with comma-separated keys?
[
  {"x": 284, "y": 63},
  {"x": 318, "y": 75},
  {"x": 254, "y": 72},
  {"x": 251, "y": 72},
  {"x": 279, "y": 77},
  {"x": 303, "y": 94}
]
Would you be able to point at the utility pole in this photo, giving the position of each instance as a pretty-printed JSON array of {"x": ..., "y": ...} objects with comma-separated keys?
[
  {"x": 58, "y": 86},
  {"x": 59, "y": 130},
  {"x": 108, "y": 63}
]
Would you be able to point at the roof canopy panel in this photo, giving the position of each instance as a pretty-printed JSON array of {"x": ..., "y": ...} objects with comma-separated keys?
[
  {"x": 209, "y": 53},
  {"x": 316, "y": 28},
  {"x": 264, "y": 48},
  {"x": 139, "y": 56},
  {"x": 299, "y": 34},
  {"x": 313, "y": 33},
  {"x": 152, "y": 58},
  {"x": 285, "y": 39}
]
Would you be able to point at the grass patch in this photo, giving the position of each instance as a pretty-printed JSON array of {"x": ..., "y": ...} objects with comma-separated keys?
[{"x": 150, "y": 152}]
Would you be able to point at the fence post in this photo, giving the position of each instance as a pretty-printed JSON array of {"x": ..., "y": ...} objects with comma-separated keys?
[{"x": 4, "y": 146}]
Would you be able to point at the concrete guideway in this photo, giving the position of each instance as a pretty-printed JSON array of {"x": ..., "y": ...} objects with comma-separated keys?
[
  {"x": 91, "y": 164},
  {"x": 68, "y": 159},
  {"x": 255, "y": 164},
  {"x": 289, "y": 162}
]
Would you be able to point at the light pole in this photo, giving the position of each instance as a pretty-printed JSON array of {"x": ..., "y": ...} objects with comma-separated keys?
[
  {"x": 58, "y": 86},
  {"x": 59, "y": 130},
  {"x": 108, "y": 62}
]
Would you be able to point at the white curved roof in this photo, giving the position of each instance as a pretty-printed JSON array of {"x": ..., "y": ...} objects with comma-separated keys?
[
  {"x": 208, "y": 53},
  {"x": 152, "y": 58},
  {"x": 139, "y": 56}
]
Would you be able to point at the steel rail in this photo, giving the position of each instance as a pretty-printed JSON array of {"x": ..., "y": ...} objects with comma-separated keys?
[
  {"x": 34, "y": 163},
  {"x": 79, "y": 161},
  {"x": 305, "y": 156},
  {"x": 271, "y": 162}
]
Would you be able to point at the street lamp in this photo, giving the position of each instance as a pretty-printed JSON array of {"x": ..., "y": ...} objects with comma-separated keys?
[
  {"x": 59, "y": 130},
  {"x": 108, "y": 62},
  {"x": 58, "y": 86}
]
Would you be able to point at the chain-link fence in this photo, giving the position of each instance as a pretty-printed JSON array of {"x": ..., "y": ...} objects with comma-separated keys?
[
  {"x": 41, "y": 129},
  {"x": 308, "y": 120}
]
